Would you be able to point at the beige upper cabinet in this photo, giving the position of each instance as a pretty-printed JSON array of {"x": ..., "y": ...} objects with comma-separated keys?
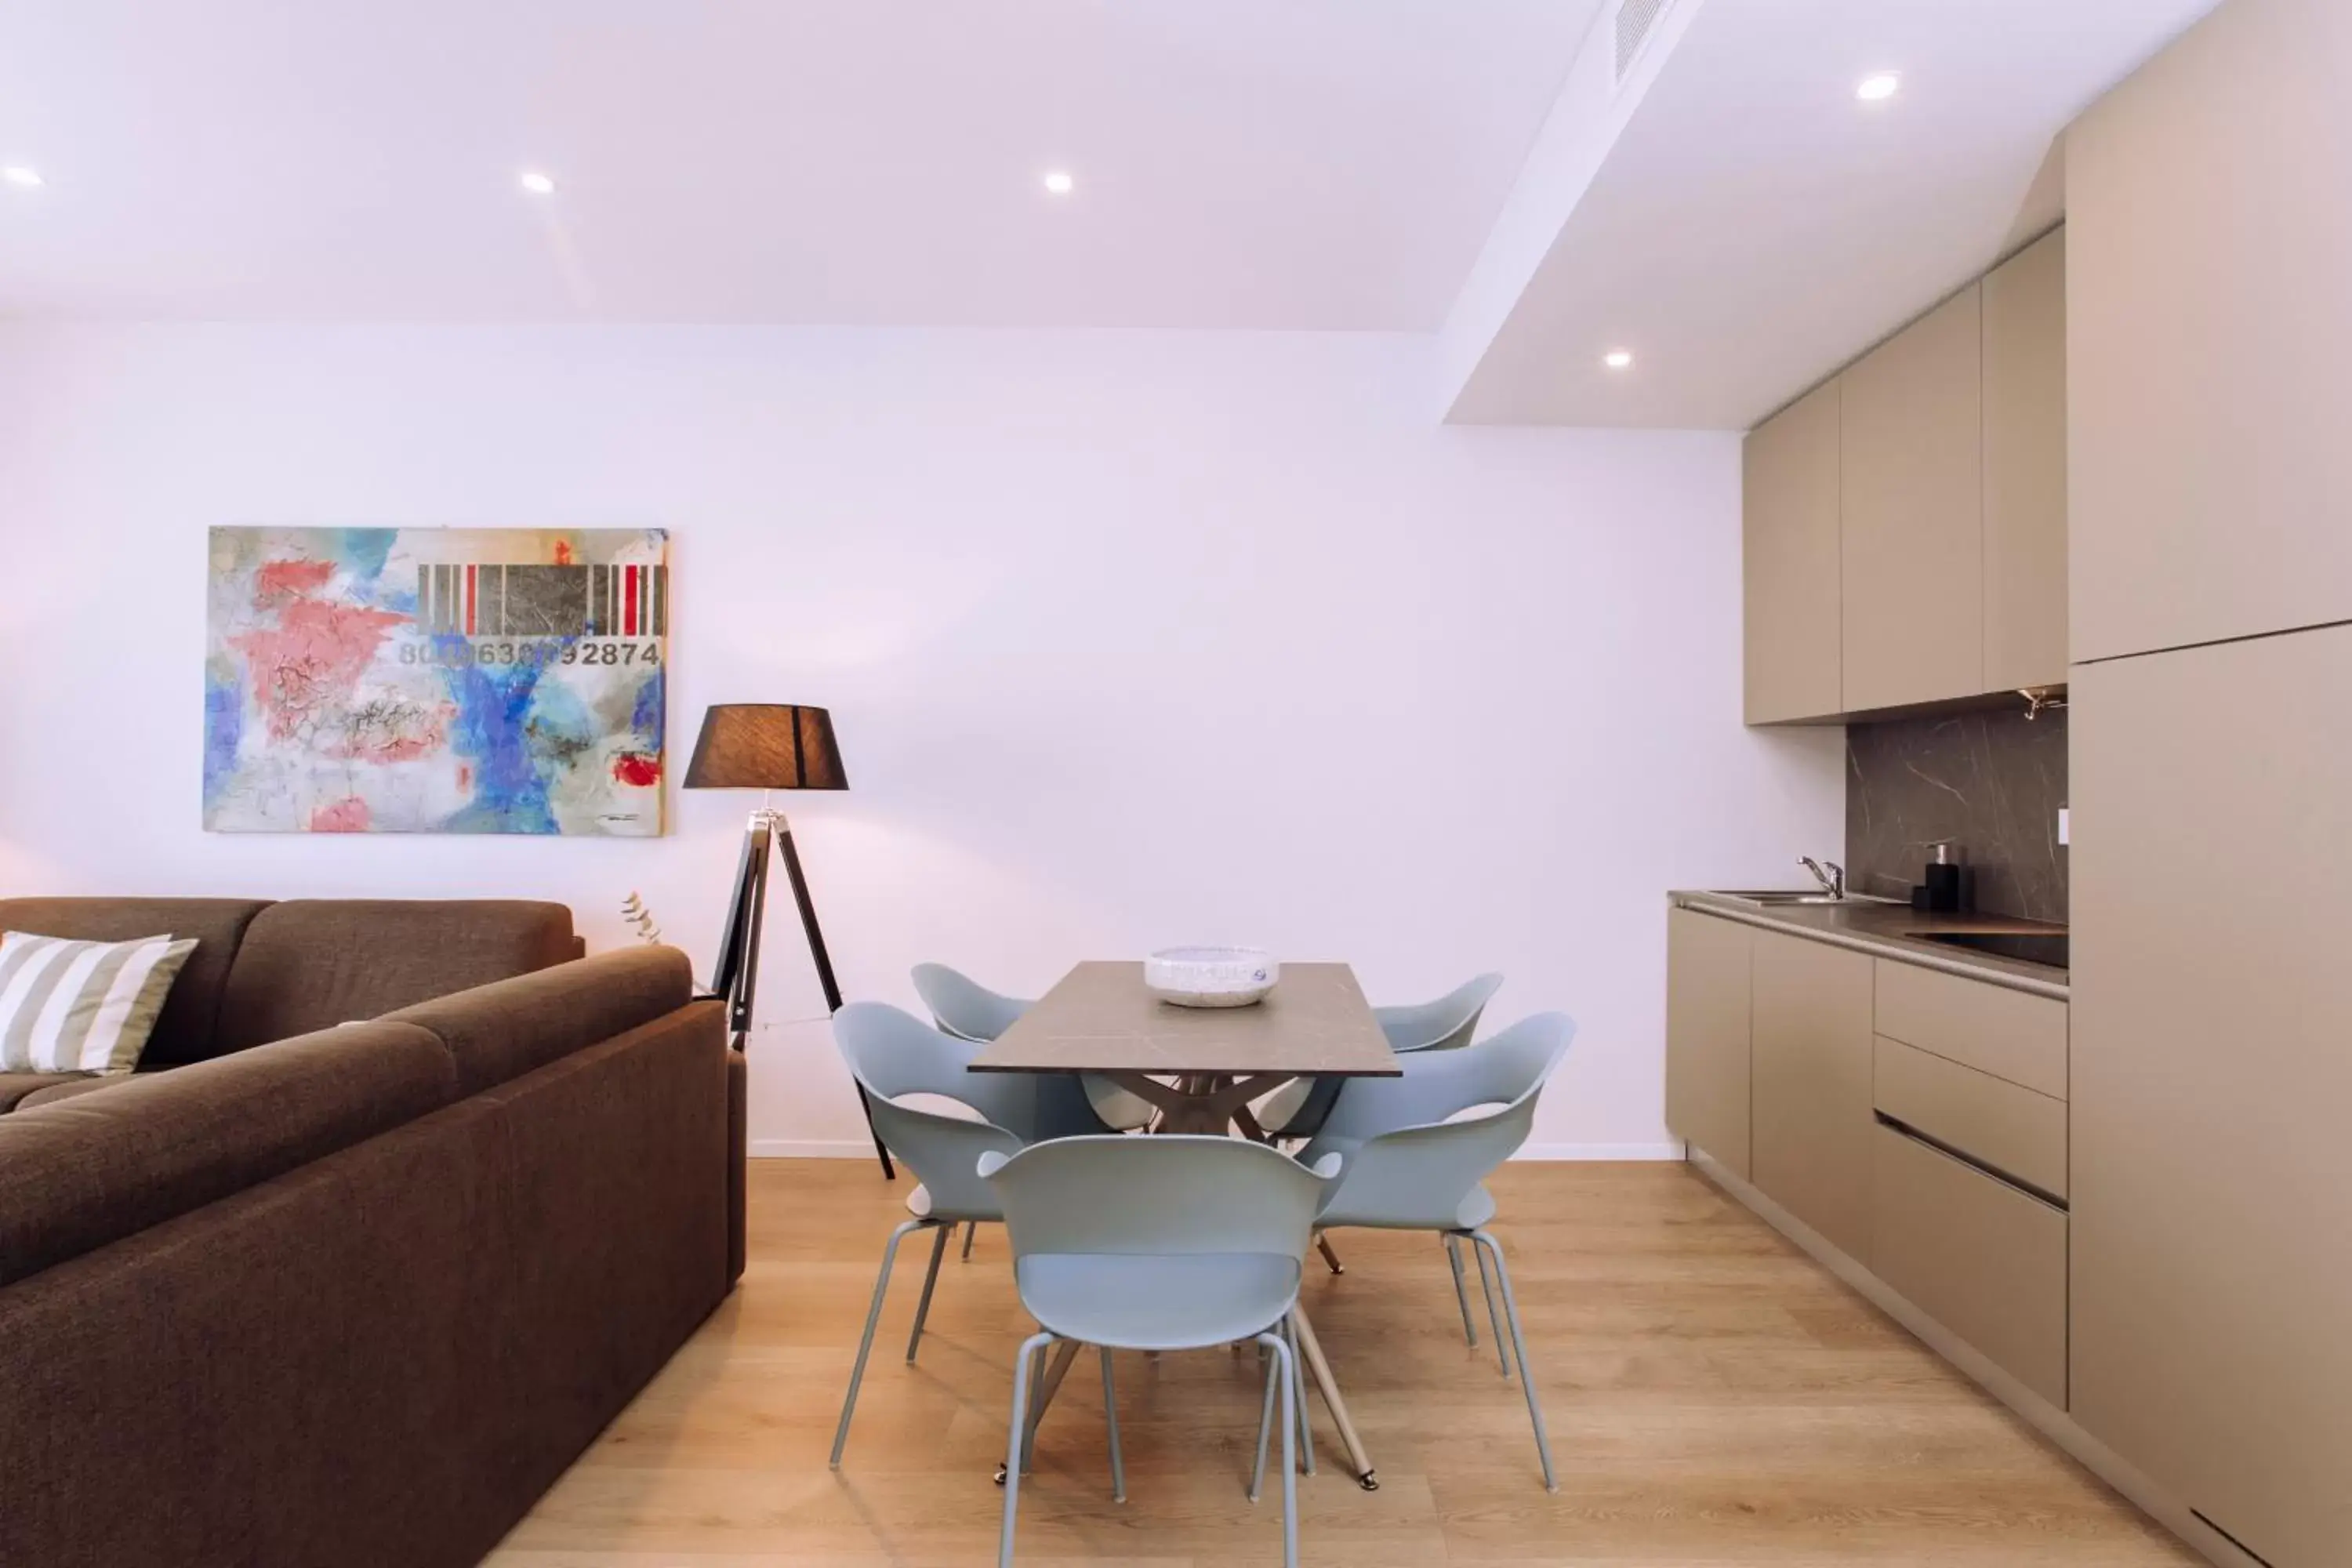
[
  {"x": 1790, "y": 556},
  {"x": 2212, "y": 1081},
  {"x": 1811, "y": 1116},
  {"x": 2209, "y": 338},
  {"x": 1911, "y": 491},
  {"x": 1706, "y": 1035},
  {"x": 2026, "y": 467}
]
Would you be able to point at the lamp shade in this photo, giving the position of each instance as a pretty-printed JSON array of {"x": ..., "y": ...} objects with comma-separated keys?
[{"x": 766, "y": 746}]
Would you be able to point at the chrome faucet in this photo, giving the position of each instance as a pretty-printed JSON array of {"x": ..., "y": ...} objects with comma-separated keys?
[{"x": 1830, "y": 875}]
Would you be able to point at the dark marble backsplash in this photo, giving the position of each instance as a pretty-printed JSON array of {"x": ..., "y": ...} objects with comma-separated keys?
[{"x": 1991, "y": 782}]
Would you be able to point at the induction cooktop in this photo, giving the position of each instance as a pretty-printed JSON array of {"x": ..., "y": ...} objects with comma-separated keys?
[{"x": 2030, "y": 947}]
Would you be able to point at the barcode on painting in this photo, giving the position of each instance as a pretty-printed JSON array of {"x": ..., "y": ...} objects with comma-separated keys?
[{"x": 536, "y": 601}]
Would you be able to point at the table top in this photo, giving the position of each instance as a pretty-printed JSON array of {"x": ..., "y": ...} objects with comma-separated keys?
[{"x": 1099, "y": 1018}]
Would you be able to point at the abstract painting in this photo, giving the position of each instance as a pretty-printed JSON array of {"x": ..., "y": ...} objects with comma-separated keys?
[{"x": 436, "y": 680}]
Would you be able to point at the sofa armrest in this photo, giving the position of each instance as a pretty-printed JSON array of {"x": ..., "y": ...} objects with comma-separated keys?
[{"x": 508, "y": 1028}]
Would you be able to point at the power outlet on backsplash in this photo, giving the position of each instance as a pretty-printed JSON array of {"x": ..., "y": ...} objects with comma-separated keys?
[{"x": 1992, "y": 783}]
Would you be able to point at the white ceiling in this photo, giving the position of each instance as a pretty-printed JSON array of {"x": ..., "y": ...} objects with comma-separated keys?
[
  {"x": 1733, "y": 214},
  {"x": 1240, "y": 163},
  {"x": 1754, "y": 226}
]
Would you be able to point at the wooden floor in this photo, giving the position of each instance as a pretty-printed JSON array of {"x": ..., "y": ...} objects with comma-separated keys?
[{"x": 1714, "y": 1398}]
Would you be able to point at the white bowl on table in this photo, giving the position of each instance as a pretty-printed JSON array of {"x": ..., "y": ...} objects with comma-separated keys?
[{"x": 1210, "y": 976}]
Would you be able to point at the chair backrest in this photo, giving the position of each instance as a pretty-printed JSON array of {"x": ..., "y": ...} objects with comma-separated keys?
[
  {"x": 892, "y": 1052},
  {"x": 1169, "y": 1196},
  {"x": 1058, "y": 1106},
  {"x": 1413, "y": 1168},
  {"x": 1443, "y": 1025},
  {"x": 961, "y": 1006}
]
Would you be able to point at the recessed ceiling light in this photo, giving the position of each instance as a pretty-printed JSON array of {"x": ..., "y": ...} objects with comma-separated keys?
[
  {"x": 1618, "y": 359},
  {"x": 537, "y": 184},
  {"x": 1059, "y": 182},
  {"x": 1878, "y": 87},
  {"x": 19, "y": 175}
]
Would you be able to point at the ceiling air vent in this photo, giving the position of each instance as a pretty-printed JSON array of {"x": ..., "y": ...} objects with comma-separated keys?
[{"x": 1637, "y": 20}]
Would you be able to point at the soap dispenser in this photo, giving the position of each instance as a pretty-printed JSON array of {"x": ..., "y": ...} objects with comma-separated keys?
[{"x": 1943, "y": 880}]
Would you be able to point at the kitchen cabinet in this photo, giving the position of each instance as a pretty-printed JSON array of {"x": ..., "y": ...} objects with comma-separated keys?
[
  {"x": 2210, "y": 337},
  {"x": 1983, "y": 1258},
  {"x": 2010, "y": 1130},
  {"x": 1991, "y": 1029},
  {"x": 2212, "y": 1074},
  {"x": 1911, "y": 498},
  {"x": 1789, "y": 559},
  {"x": 1706, "y": 1035},
  {"x": 1811, "y": 1119},
  {"x": 2024, "y": 457}
]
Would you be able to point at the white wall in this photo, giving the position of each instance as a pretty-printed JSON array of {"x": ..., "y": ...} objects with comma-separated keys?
[{"x": 1131, "y": 639}]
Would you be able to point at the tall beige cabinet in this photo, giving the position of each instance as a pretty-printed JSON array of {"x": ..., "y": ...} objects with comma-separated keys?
[
  {"x": 2210, "y": 376},
  {"x": 2211, "y": 336},
  {"x": 2212, "y": 1081}
]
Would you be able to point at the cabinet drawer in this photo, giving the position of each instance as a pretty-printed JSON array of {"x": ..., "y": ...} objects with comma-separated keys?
[
  {"x": 2018, "y": 1133},
  {"x": 1978, "y": 1256},
  {"x": 1991, "y": 1029}
]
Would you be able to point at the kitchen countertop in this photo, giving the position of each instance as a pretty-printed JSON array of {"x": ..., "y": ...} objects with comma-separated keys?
[{"x": 1888, "y": 930}]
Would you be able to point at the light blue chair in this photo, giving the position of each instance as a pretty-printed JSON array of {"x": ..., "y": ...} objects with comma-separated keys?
[
  {"x": 1298, "y": 1109},
  {"x": 961, "y": 1006},
  {"x": 892, "y": 1052},
  {"x": 1408, "y": 1167},
  {"x": 1158, "y": 1244},
  {"x": 1445, "y": 1024}
]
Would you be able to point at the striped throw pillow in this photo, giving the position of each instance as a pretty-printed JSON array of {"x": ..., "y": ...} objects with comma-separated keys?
[{"x": 82, "y": 1007}]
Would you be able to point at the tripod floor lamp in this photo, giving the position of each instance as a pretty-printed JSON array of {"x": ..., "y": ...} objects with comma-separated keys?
[{"x": 769, "y": 746}]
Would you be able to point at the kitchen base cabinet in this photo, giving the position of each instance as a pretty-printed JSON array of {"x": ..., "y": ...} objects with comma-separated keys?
[
  {"x": 2212, "y": 1081},
  {"x": 1706, "y": 1035},
  {"x": 1810, "y": 1119},
  {"x": 1981, "y": 1257}
]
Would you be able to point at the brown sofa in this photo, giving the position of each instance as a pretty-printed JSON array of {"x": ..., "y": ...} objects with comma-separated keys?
[{"x": 358, "y": 1296}]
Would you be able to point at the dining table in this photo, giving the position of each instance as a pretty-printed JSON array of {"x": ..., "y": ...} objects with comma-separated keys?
[{"x": 1201, "y": 1067}]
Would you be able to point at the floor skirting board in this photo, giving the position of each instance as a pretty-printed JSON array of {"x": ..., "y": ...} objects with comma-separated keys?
[{"x": 2039, "y": 1412}]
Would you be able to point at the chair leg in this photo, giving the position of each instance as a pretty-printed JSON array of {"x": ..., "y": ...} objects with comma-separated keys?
[
  {"x": 1036, "y": 1414},
  {"x": 1331, "y": 1259},
  {"x": 971, "y": 1229},
  {"x": 1265, "y": 1420},
  {"x": 1032, "y": 1348},
  {"x": 1284, "y": 1369},
  {"x": 866, "y": 1344},
  {"x": 1486, "y": 1284},
  {"x": 1299, "y": 1390},
  {"x": 1461, "y": 1295},
  {"x": 1519, "y": 1345},
  {"x": 931, "y": 1281},
  {"x": 1110, "y": 1417}
]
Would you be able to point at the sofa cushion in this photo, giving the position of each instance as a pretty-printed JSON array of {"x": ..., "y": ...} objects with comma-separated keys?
[
  {"x": 88, "y": 1171},
  {"x": 311, "y": 963},
  {"x": 16, "y": 1087},
  {"x": 501, "y": 1031},
  {"x": 71, "y": 1088},
  {"x": 185, "y": 1033}
]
